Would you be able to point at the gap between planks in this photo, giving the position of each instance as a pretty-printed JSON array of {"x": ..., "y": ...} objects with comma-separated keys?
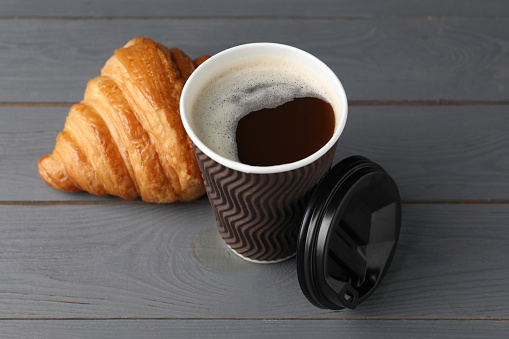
[
  {"x": 205, "y": 201},
  {"x": 219, "y": 17},
  {"x": 382, "y": 102},
  {"x": 246, "y": 17},
  {"x": 257, "y": 319}
]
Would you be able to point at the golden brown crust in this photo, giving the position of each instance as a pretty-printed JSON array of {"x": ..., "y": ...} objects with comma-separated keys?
[
  {"x": 184, "y": 65},
  {"x": 52, "y": 171},
  {"x": 200, "y": 60},
  {"x": 126, "y": 137}
]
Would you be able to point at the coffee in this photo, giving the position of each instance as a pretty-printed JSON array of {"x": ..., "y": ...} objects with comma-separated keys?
[
  {"x": 286, "y": 133},
  {"x": 260, "y": 84}
]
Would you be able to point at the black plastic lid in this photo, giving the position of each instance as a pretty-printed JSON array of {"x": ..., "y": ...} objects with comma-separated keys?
[{"x": 349, "y": 234}]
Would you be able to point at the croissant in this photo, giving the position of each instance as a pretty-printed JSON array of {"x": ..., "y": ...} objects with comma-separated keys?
[{"x": 126, "y": 137}]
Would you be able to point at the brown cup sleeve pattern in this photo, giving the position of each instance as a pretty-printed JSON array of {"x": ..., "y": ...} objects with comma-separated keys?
[{"x": 259, "y": 215}]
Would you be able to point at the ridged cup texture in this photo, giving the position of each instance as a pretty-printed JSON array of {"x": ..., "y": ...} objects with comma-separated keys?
[{"x": 259, "y": 215}]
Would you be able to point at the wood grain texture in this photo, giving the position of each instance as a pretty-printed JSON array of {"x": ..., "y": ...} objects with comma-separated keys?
[
  {"x": 267, "y": 8},
  {"x": 78, "y": 266},
  {"x": 234, "y": 329},
  {"x": 435, "y": 153},
  {"x": 168, "y": 262},
  {"x": 50, "y": 60}
]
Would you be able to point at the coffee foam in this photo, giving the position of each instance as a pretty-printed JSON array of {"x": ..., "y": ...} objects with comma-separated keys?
[{"x": 242, "y": 88}]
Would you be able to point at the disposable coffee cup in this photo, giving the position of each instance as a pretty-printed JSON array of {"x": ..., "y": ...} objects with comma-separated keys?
[{"x": 343, "y": 222}]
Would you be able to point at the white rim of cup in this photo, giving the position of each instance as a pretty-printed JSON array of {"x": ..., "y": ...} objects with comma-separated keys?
[{"x": 240, "y": 52}]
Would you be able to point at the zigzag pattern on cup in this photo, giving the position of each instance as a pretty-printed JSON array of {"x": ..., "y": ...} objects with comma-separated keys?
[{"x": 259, "y": 215}]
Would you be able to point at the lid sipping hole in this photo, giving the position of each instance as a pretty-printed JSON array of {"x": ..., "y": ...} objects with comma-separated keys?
[{"x": 349, "y": 296}]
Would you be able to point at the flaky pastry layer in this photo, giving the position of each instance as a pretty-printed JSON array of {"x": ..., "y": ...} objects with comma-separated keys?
[{"x": 126, "y": 137}]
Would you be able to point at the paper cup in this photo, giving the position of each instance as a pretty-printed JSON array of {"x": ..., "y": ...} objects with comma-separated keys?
[{"x": 259, "y": 209}]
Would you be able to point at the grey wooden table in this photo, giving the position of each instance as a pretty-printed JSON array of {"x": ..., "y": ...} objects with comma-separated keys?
[{"x": 428, "y": 84}]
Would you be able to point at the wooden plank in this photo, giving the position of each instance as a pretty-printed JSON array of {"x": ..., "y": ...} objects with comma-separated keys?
[
  {"x": 435, "y": 153},
  {"x": 47, "y": 60},
  {"x": 301, "y": 8},
  {"x": 167, "y": 262},
  {"x": 252, "y": 329}
]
